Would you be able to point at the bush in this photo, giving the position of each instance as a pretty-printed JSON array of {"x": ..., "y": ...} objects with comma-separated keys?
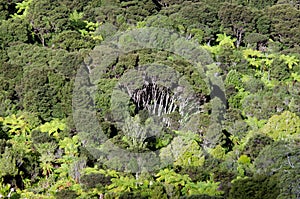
[{"x": 258, "y": 187}]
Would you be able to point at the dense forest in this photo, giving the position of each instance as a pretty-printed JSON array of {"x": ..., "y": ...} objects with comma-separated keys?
[{"x": 150, "y": 99}]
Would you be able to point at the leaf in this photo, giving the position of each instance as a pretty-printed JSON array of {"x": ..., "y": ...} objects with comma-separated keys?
[
  {"x": 70, "y": 145},
  {"x": 169, "y": 176},
  {"x": 283, "y": 126},
  {"x": 84, "y": 32},
  {"x": 296, "y": 77},
  {"x": 244, "y": 159},
  {"x": 268, "y": 62},
  {"x": 53, "y": 127},
  {"x": 251, "y": 53},
  {"x": 122, "y": 184},
  {"x": 216, "y": 50},
  {"x": 218, "y": 152},
  {"x": 289, "y": 60},
  {"x": 225, "y": 40},
  {"x": 76, "y": 16},
  {"x": 16, "y": 125},
  {"x": 210, "y": 188},
  {"x": 254, "y": 123},
  {"x": 22, "y": 7}
]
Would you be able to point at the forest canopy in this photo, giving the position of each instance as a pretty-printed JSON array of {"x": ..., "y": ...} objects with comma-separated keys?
[{"x": 150, "y": 99}]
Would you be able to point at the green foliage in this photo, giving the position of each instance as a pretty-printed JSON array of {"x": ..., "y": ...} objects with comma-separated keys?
[
  {"x": 47, "y": 157},
  {"x": 276, "y": 157},
  {"x": 183, "y": 150},
  {"x": 14, "y": 30},
  {"x": 283, "y": 126},
  {"x": 218, "y": 152},
  {"x": 280, "y": 30},
  {"x": 259, "y": 60},
  {"x": 236, "y": 20},
  {"x": 244, "y": 159},
  {"x": 136, "y": 133},
  {"x": 76, "y": 19},
  {"x": 255, "y": 144},
  {"x": 256, "y": 40},
  {"x": 253, "y": 84},
  {"x": 71, "y": 41},
  {"x": 104, "y": 94},
  {"x": 263, "y": 105},
  {"x": 171, "y": 177},
  {"x": 8, "y": 164},
  {"x": 234, "y": 78},
  {"x": 236, "y": 100},
  {"x": 95, "y": 180},
  {"x": 53, "y": 79},
  {"x": 22, "y": 8},
  {"x": 46, "y": 18},
  {"x": 255, "y": 45},
  {"x": 255, "y": 187},
  {"x": 5, "y": 189},
  {"x": 191, "y": 156},
  {"x": 86, "y": 28},
  {"x": 70, "y": 146},
  {"x": 14, "y": 125},
  {"x": 66, "y": 194},
  {"x": 53, "y": 127},
  {"x": 254, "y": 123},
  {"x": 280, "y": 160},
  {"x": 295, "y": 77},
  {"x": 289, "y": 60},
  {"x": 18, "y": 150},
  {"x": 209, "y": 188},
  {"x": 225, "y": 43},
  {"x": 225, "y": 40},
  {"x": 122, "y": 184}
]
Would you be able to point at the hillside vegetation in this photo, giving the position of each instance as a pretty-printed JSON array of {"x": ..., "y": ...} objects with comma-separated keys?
[{"x": 220, "y": 87}]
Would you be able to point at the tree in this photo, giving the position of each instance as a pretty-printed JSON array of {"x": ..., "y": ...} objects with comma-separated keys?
[
  {"x": 224, "y": 52},
  {"x": 225, "y": 41},
  {"x": 256, "y": 40},
  {"x": 19, "y": 160},
  {"x": 13, "y": 30},
  {"x": 263, "y": 105},
  {"x": 261, "y": 186},
  {"x": 8, "y": 8},
  {"x": 46, "y": 18},
  {"x": 285, "y": 126},
  {"x": 237, "y": 20},
  {"x": 280, "y": 30},
  {"x": 52, "y": 87},
  {"x": 200, "y": 15},
  {"x": 280, "y": 160},
  {"x": 22, "y": 8},
  {"x": 47, "y": 157},
  {"x": 10, "y": 77},
  {"x": 209, "y": 188},
  {"x": 259, "y": 4},
  {"x": 289, "y": 60},
  {"x": 71, "y": 41}
]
